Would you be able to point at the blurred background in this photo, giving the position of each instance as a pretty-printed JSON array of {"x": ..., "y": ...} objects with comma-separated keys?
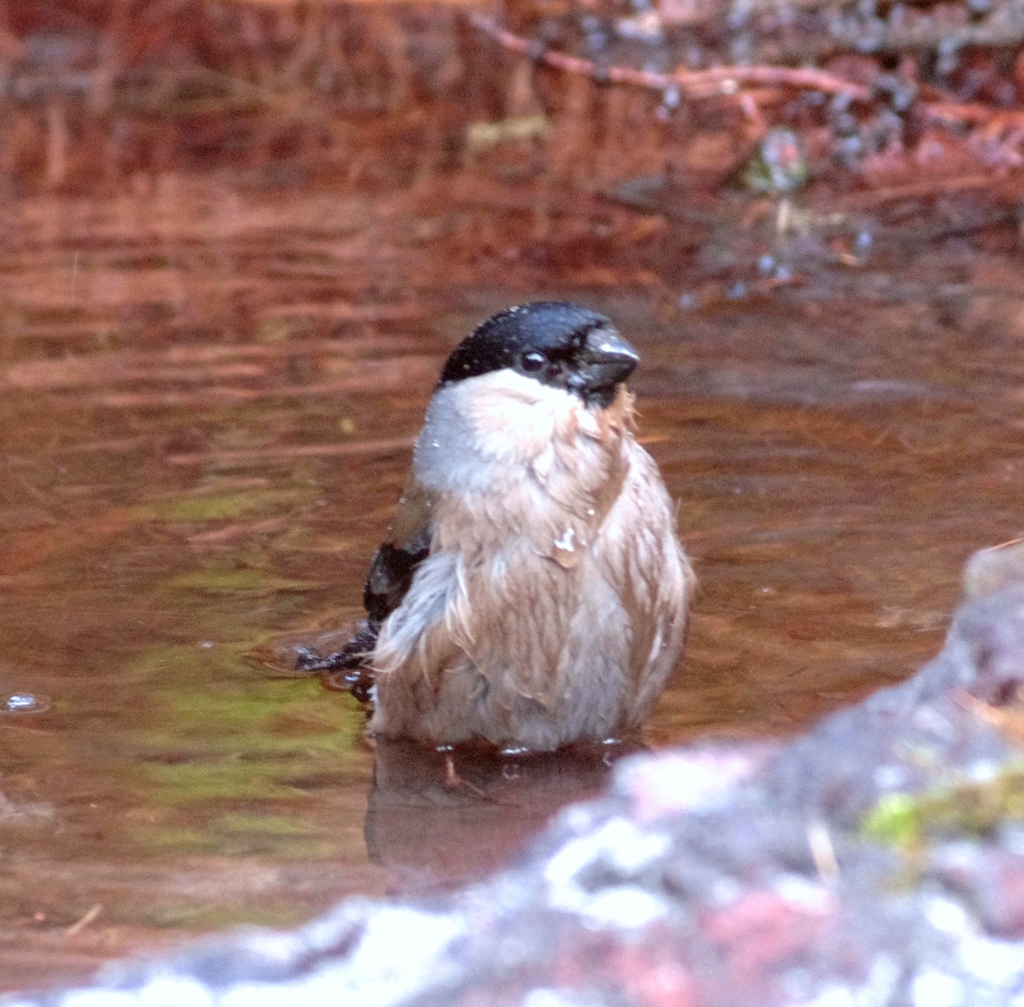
[{"x": 237, "y": 240}]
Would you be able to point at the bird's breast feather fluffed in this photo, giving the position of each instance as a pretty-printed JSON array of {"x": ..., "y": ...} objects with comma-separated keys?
[{"x": 482, "y": 431}]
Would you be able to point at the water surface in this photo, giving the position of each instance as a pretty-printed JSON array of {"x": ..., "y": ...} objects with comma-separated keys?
[{"x": 209, "y": 397}]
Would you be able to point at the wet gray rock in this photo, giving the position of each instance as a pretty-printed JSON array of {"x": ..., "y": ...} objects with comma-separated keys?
[{"x": 877, "y": 860}]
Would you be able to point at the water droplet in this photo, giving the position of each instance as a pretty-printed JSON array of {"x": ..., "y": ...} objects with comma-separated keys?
[
  {"x": 567, "y": 543},
  {"x": 24, "y": 702}
]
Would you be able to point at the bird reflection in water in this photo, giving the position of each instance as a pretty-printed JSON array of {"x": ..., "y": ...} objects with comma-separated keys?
[
  {"x": 435, "y": 829},
  {"x": 434, "y": 835}
]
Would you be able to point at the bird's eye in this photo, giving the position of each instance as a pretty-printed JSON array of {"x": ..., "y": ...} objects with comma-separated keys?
[{"x": 533, "y": 361}]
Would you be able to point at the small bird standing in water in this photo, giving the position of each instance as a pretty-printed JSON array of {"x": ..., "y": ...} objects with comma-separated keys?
[{"x": 533, "y": 591}]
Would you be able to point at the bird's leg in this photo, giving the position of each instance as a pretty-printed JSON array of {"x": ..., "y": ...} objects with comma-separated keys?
[{"x": 452, "y": 780}]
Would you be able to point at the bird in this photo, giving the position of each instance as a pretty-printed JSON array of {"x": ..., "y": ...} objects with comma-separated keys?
[{"x": 532, "y": 592}]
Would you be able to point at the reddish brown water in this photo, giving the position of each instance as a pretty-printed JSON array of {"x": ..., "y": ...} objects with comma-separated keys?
[{"x": 209, "y": 394}]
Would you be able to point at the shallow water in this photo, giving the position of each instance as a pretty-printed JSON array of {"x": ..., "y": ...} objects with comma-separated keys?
[{"x": 209, "y": 396}]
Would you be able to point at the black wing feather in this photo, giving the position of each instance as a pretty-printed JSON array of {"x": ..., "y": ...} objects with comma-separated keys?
[{"x": 390, "y": 576}]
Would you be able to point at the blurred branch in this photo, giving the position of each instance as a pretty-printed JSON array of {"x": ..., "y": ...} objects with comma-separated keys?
[
  {"x": 1006, "y": 118},
  {"x": 693, "y": 84}
]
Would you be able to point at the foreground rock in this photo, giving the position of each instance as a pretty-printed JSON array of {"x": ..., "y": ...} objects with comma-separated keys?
[{"x": 878, "y": 860}]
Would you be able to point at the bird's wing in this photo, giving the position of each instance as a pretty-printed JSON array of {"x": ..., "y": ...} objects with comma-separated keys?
[
  {"x": 390, "y": 576},
  {"x": 395, "y": 562}
]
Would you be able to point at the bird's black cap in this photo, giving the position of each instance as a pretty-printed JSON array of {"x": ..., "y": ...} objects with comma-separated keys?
[{"x": 557, "y": 343}]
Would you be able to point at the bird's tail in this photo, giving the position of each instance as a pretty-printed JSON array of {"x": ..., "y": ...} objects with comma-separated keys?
[{"x": 345, "y": 670}]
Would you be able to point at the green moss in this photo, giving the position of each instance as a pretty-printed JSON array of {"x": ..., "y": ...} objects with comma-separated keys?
[
  {"x": 895, "y": 821},
  {"x": 275, "y": 330},
  {"x": 173, "y": 661},
  {"x": 253, "y": 823},
  {"x": 218, "y": 506},
  {"x": 178, "y": 838},
  {"x": 247, "y": 580},
  {"x": 219, "y": 917},
  {"x": 190, "y": 783},
  {"x": 219, "y": 746},
  {"x": 243, "y": 737},
  {"x": 961, "y": 807},
  {"x": 255, "y": 832}
]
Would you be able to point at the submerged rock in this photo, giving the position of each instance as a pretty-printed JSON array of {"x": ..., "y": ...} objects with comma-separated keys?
[{"x": 877, "y": 860}]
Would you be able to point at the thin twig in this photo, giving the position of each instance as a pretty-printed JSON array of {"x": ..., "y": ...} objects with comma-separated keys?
[
  {"x": 82, "y": 923},
  {"x": 823, "y": 852},
  {"x": 691, "y": 83},
  {"x": 942, "y": 111},
  {"x": 917, "y": 190}
]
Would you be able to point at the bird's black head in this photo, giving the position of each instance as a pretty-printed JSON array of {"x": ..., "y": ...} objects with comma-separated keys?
[{"x": 558, "y": 344}]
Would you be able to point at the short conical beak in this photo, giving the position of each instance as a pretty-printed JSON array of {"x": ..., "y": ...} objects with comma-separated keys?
[{"x": 607, "y": 358}]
